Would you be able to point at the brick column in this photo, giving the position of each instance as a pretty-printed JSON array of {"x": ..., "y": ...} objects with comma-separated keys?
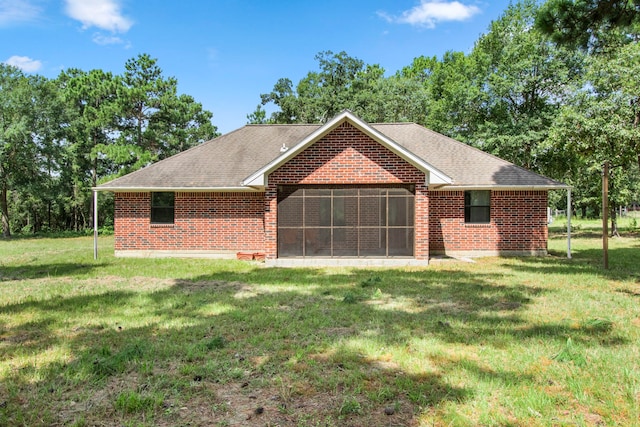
[
  {"x": 271, "y": 222},
  {"x": 421, "y": 225}
]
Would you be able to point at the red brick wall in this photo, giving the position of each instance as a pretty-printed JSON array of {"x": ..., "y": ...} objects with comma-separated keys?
[
  {"x": 518, "y": 223},
  {"x": 248, "y": 221},
  {"x": 347, "y": 156},
  {"x": 203, "y": 221}
]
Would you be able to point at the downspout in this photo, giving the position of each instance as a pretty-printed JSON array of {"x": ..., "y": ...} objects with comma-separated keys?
[
  {"x": 569, "y": 222},
  {"x": 95, "y": 224}
]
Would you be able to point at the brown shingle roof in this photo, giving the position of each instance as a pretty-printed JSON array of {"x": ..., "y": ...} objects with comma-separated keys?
[
  {"x": 466, "y": 165},
  {"x": 224, "y": 162}
]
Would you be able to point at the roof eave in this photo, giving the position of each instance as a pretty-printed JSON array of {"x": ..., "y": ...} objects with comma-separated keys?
[
  {"x": 180, "y": 189},
  {"x": 523, "y": 187}
]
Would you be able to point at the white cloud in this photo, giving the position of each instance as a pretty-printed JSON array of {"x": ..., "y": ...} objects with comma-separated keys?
[
  {"x": 104, "y": 40},
  {"x": 25, "y": 63},
  {"x": 104, "y": 14},
  {"x": 430, "y": 12},
  {"x": 17, "y": 11}
]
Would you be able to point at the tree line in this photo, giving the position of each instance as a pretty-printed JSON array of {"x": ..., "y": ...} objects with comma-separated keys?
[
  {"x": 60, "y": 137},
  {"x": 554, "y": 88}
]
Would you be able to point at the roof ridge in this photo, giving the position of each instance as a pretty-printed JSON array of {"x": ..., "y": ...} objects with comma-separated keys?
[
  {"x": 395, "y": 123},
  {"x": 278, "y": 124}
]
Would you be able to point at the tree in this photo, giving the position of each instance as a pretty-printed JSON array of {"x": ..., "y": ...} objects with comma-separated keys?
[
  {"x": 258, "y": 117},
  {"x": 616, "y": 78},
  {"x": 601, "y": 27},
  {"x": 182, "y": 123},
  {"x": 26, "y": 135},
  {"x": 332, "y": 88},
  {"x": 59, "y": 138},
  {"x": 453, "y": 92},
  {"x": 525, "y": 81},
  {"x": 390, "y": 100},
  {"x": 344, "y": 82},
  {"x": 322, "y": 94},
  {"x": 48, "y": 132},
  {"x": 90, "y": 100},
  {"x": 592, "y": 25},
  {"x": 599, "y": 123},
  {"x": 154, "y": 122}
]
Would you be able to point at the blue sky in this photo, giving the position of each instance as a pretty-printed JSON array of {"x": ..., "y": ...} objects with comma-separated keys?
[{"x": 225, "y": 53}]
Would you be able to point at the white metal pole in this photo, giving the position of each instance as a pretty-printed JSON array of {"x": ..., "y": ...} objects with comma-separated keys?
[
  {"x": 95, "y": 224},
  {"x": 569, "y": 223}
]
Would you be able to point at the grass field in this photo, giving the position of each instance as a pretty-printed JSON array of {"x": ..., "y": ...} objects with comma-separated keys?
[{"x": 159, "y": 342}]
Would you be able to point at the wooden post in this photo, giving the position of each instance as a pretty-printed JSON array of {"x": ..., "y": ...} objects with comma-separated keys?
[
  {"x": 569, "y": 222},
  {"x": 95, "y": 224},
  {"x": 605, "y": 214}
]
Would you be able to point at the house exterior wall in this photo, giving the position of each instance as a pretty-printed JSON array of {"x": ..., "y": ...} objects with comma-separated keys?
[
  {"x": 342, "y": 157},
  {"x": 203, "y": 222},
  {"x": 247, "y": 221},
  {"x": 518, "y": 224}
]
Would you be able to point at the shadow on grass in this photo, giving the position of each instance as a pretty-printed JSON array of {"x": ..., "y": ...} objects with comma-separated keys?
[
  {"x": 325, "y": 335},
  {"x": 623, "y": 263},
  {"x": 39, "y": 271},
  {"x": 251, "y": 342}
]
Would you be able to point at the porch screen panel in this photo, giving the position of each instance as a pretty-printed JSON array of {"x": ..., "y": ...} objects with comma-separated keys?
[
  {"x": 345, "y": 216},
  {"x": 317, "y": 241},
  {"x": 290, "y": 242},
  {"x": 373, "y": 220},
  {"x": 345, "y": 221},
  {"x": 290, "y": 227}
]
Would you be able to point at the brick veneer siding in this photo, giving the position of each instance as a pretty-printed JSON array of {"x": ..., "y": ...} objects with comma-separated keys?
[
  {"x": 247, "y": 221},
  {"x": 518, "y": 224},
  {"x": 348, "y": 156},
  {"x": 203, "y": 222}
]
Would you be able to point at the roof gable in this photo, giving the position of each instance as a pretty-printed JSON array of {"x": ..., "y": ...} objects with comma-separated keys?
[
  {"x": 434, "y": 176},
  {"x": 346, "y": 156}
]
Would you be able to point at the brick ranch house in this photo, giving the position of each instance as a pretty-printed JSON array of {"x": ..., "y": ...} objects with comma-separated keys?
[{"x": 342, "y": 192}]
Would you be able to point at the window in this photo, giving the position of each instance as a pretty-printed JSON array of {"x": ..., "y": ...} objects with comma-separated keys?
[
  {"x": 477, "y": 206},
  {"x": 162, "y": 208}
]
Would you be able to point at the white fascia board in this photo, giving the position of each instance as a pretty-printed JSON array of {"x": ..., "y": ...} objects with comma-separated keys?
[
  {"x": 180, "y": 189},
  {"x": 503, "y": 187},
  {"x": 433, "y": 175}
]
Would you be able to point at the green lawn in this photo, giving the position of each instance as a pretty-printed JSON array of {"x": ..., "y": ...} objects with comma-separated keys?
[{"x": 502, "y": 341}]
